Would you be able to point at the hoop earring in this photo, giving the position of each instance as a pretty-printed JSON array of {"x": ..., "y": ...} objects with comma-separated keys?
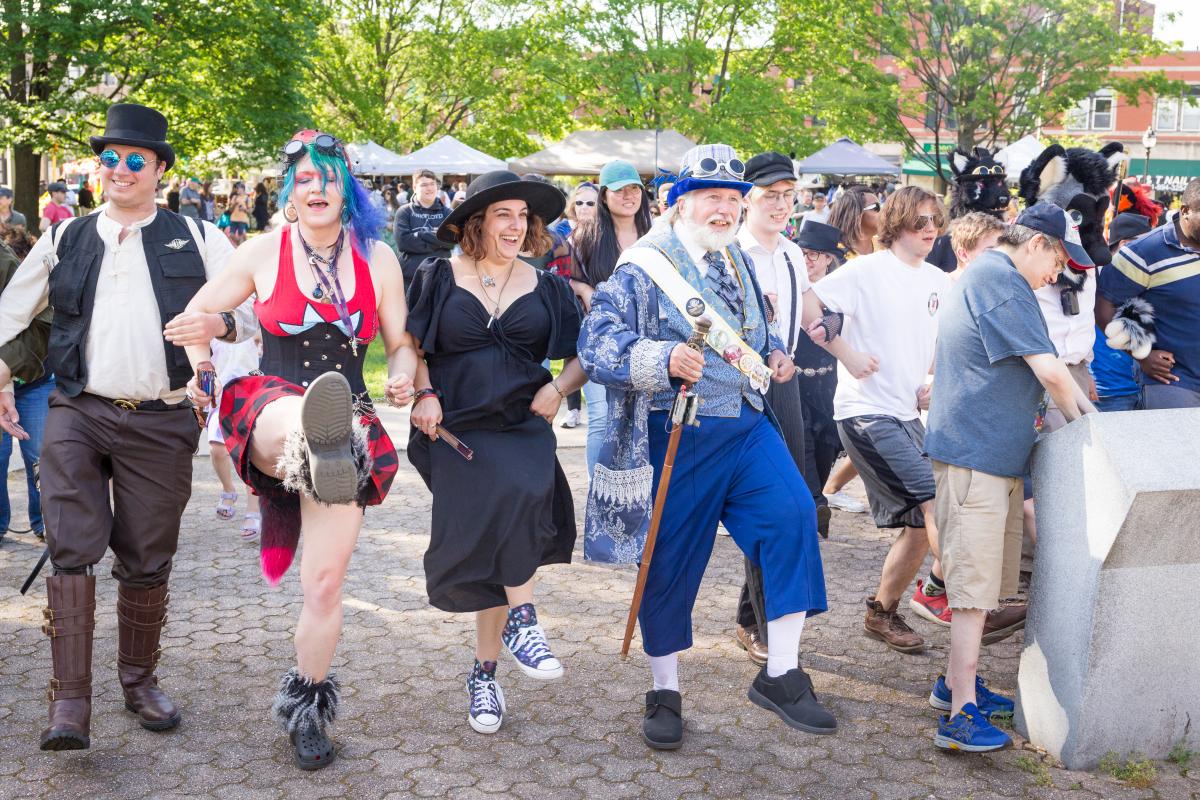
[{"x": 289, "y": 213}]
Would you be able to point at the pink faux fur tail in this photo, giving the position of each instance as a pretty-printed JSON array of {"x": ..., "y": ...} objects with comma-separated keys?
[{"x": 280, "y": 537}]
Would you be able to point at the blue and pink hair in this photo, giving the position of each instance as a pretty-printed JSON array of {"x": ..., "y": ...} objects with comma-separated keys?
[{"x": 365, "y": 220}]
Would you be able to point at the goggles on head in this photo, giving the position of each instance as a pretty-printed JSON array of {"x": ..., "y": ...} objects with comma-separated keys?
[
  {"x": 708, "y": 167},
  {"x": 327, "y": 143}
]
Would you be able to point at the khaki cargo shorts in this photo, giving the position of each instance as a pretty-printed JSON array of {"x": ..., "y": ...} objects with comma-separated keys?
[{"x": 979, "y": 519}]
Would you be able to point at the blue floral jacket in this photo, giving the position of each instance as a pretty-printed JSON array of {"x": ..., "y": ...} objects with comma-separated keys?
[{"x": 625, "y": 345}]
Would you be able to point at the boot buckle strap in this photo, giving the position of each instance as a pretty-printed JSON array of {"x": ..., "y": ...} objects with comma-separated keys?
[
  {"x": 54, "y": 631},
  {"x": 138, "y": 625},
  {"x": 62, "y": 613},
  {"x": 69, "y": 689},
  {"x": 150, "y": 660}
]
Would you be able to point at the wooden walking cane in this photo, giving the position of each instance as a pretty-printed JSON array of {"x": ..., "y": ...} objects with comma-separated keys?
[{"x": 683, "y": 413}]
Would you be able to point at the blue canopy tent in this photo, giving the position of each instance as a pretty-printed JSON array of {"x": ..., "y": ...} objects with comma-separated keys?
[{"x": 845, "y": 157}]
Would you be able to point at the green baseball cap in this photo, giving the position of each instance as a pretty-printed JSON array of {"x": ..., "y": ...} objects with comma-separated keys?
[{"x": 618, "y": 174}]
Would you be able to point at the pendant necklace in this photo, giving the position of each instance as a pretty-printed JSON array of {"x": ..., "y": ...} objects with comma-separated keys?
[
  {"x": 488, "y": 281},
  {"x": 329, "y": 287}
]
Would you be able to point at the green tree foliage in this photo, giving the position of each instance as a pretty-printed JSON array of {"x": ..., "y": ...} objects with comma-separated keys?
[
  {"x": 405, "y": 72},
  {"x": 991, "y": 70},
  {"x": 222, "y": 73}
]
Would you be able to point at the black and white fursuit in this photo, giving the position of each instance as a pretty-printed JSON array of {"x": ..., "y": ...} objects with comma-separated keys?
[
  {"x": 302, "y": 703},
  {"x": 1132, "y": 328}
]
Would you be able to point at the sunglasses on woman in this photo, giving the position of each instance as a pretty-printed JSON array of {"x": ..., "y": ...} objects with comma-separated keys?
[
  {"x": 873, "y": 207},
  {"x": 923, "y": 221},
  {"x": 584, "y": 203},
  {"x": 136, "y": 162},
  {"x": 326, "y": 143}
]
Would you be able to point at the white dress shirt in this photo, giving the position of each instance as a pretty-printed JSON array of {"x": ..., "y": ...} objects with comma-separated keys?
[
  {"x": 124, "y": 345},
  {"x": 1073, "y": 334},
  {"x": 775, "y": 278}
]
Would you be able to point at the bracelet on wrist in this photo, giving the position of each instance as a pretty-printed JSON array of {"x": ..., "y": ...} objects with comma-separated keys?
[
  {"x": 230, "y": 326},
  {"x": 554, "y": 383},
  {"x": 421, "y": 394}
]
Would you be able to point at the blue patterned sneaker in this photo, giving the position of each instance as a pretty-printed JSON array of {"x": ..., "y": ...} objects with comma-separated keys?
[
  {"x": 526, "y": 641},
  {"x": 970, "y": 731},
  {"x": 991, "y": 705},
  {"x": 487, "y": 698}
]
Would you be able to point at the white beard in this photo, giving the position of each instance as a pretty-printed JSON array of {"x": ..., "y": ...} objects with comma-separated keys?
[{"x": 706, "y": 237}]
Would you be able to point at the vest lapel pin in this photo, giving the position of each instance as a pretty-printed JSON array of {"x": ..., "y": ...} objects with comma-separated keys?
[{"x": 177, "y": 244}]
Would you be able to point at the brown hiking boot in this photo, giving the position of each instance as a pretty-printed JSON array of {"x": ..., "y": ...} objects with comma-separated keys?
[
  {"x": 140, "y": 617},
  {"x": 70, "y": 620},
  {"x": 1003, "y": 622},
  {"x": 890, "y": 628}
]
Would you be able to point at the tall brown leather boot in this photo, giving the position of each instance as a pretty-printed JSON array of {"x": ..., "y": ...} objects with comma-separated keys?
[
  {"x": 140, "y": 617},
  {"x": 70, "y": 622}
]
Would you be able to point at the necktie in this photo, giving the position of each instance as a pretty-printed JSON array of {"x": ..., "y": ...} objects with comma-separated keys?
[{"x": 723, "y": 283}]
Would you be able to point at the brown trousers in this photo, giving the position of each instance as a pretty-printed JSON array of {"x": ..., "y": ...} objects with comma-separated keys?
[{"x": 147, "y": 457}]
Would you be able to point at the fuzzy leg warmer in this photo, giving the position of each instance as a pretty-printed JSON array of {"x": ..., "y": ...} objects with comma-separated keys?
[
  {"x": 301, "y": 703},
  {"x": 1132, "y": 328}
]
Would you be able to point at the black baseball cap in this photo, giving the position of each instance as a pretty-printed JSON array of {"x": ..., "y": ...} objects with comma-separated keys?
[
  {"x": 1127, "y": 226},
  {"x": 770, "y": 167},
  {"x": 57, "y": 186},
  {"x": 1051, "y": 220}
]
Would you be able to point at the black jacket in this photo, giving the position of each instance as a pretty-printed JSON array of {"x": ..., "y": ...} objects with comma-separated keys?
[{"x": 415, "y": 233}]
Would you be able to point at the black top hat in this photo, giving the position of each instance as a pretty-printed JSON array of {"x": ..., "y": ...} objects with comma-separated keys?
[
  {"x": 138, "y": 126},
  {"x": 544, "y": 200},
  {"x": 770, "y": 167},
  {"x": 818, "y": 236}
]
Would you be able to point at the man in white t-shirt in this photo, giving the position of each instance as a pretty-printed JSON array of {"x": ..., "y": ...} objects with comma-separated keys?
[{"x": 890, "y": 301}]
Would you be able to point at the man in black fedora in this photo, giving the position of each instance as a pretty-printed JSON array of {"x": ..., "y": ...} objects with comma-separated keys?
[{"x": 119, "y": 420}]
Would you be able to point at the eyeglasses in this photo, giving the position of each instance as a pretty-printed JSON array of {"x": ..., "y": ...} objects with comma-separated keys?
[
  {"x": 774, "y": 197},
  {"x": 584, "y": 203},
  {"x": 136, "y": 162},
  {"x": 924, "y": 220},
  {"x": 708, "y": 167},
  {"x": 873, "y": 207},
  {"x": 325, "y": 142},
  {"x": 812, "y": 255}
]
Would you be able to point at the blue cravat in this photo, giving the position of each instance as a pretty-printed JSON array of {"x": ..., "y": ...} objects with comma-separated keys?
[{"x": 723, "y": 283}]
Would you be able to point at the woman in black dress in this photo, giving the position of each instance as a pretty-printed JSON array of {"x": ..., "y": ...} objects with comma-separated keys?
[{"x": 483, "y": 322}]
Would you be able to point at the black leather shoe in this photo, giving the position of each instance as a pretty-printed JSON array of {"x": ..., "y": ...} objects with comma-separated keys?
[
  {"x": 313, "y": 748},
  {"x": 662, "y": 727},
  {"x": 823, "y": 515},
  {"x": 791, "y": 696}
]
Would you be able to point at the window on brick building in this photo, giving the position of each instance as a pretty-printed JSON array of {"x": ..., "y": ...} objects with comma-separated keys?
[
  {"x": 1189, "y": 113},
  {"x": 1094, "y": 113},
  {"x": 1177, "y": 113}
]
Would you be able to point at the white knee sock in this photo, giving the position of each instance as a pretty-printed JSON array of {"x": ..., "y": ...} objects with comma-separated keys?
[
  {"x": 783, "y": 643},
  {"x": 666, "y": 671}
]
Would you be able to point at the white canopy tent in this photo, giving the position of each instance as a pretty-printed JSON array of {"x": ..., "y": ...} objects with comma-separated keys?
[
  {"x": 370, "y": 158},
  {"x": 585, "y": 152},
  {"x": 446, "y": 156}
]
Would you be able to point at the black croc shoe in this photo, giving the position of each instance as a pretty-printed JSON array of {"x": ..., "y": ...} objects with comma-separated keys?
[
  {"x": 791, "y": 696},
  {"x": 662, "y": 727},
  {"x": 313, "y": 748}
]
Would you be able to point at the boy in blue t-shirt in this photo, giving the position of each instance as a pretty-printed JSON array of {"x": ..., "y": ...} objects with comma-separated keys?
[{"x": 993, "y": 339}]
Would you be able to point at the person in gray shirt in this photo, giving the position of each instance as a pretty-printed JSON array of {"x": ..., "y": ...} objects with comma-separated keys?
[
  {"x": 190, "y": 199},
  {"x": 7, "y": 215},
  {"x": 994, "y": 356}
]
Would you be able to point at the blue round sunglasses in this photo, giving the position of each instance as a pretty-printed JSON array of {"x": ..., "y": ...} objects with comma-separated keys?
[{"x": 135, "y": 161}]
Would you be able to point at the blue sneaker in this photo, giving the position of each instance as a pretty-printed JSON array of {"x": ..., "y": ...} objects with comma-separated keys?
[
  {"x": 486, "y": 712},
  {"x": 525, "y": 640},
  {"x": 991, "y": 705},
  {"x": 970, "y": 732}
]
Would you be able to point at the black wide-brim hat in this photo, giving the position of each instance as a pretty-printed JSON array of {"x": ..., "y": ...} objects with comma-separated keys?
[
  {"x": 544, "y": 200},
  {"x": 136, "y": 126}
]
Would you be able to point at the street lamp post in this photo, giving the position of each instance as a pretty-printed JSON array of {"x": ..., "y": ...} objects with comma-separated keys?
[{"x": 1149, "y": 139}]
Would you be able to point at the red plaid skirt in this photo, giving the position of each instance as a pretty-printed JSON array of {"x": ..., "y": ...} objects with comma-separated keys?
[{"x": 242, "y": 400}]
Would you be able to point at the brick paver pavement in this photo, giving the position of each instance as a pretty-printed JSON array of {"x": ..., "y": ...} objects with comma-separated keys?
[{"x": 403, "y": 732}]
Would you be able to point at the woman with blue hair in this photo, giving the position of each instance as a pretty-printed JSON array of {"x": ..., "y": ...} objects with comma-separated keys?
[{"x": 303, "y": 434}]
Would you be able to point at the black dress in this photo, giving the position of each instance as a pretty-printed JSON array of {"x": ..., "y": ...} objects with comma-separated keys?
[{"x": 500, "y": 516}]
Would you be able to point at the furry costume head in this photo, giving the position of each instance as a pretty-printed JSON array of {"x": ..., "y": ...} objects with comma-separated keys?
[
  {"x": 1077, "y": 180},
  {"x": 978, "y": 183},
  {"x": 1135, "y": 199}
]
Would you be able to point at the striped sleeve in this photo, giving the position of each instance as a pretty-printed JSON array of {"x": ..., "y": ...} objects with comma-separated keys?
[{"x": 1123, "y": 279}]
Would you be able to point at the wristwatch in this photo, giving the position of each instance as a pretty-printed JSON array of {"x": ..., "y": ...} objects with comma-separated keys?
[{"x": 230, "y": 327}]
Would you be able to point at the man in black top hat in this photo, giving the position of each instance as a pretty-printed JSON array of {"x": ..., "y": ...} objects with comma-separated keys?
[{"x": 119, "y": 424}]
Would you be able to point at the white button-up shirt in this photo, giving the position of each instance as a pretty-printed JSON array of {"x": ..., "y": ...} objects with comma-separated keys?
[
  {"x": 774, "y": 276},
  {"x": 1073, "y": 335},
  {"x": 124, "y": 345}
]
